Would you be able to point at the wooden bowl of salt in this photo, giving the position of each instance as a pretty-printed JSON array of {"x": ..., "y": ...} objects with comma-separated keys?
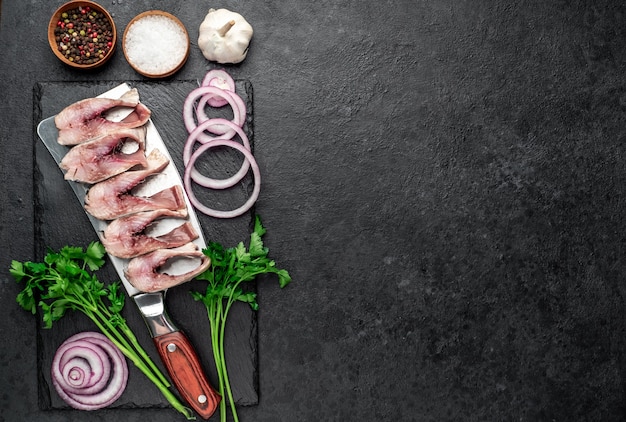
[{"x": 155, "y": 44}]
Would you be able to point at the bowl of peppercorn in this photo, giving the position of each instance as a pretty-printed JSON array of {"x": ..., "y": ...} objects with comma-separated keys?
[{"x": 82, "y": 34}]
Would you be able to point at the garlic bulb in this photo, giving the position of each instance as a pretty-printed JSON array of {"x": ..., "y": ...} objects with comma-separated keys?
[{"x": 224, "y": 36}]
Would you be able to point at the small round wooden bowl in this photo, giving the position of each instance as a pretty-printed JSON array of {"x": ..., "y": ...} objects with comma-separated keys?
[
  {"x": 56, "y": 17},
  {"x": 147, "y": 72}
]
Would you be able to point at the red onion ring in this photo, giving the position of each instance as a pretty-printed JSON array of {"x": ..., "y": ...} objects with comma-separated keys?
[
  {"x": 89, "y": 372},
  {"x": 218, "y": 78},
  {"x": 201, "y": 115},
  {"x": 240, "y": 108},
  {"x": 205, "y": 181},
  {"x": 235, "y": 101},
  {"x": 255, "y": 170}
]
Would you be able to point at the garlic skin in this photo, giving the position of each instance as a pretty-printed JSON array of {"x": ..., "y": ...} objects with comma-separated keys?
[{"x": 224, "y": 36}]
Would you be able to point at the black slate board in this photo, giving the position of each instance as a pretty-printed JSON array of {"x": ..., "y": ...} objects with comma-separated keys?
[{"x": 60, "y": 220}]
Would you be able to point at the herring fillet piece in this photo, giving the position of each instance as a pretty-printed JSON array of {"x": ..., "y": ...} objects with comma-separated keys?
[
  {"x": 145, "y": 272},
  {"x": 127, "y": 237},
  {"x": 86, "y": 119},
  {"x": 112, "y": 198},
  {"x": 103, "y": 157}
]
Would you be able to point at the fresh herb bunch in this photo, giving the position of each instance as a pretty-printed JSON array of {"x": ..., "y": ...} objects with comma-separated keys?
[
  {"x": 66, "y": 281},
  {"x": 230, "y": 267}
]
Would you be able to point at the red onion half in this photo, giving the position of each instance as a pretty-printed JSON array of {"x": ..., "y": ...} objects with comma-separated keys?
[
  {"x": 255, "y": 170},
  {"x": 205, "y": 181},
  {"x": 88, "y": 371}
]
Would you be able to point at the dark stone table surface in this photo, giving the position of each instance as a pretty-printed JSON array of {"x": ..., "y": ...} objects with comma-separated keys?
[{"x": 444, "y": 180}]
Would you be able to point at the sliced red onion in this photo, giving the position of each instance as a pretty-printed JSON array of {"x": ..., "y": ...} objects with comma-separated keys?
[
  {"x": 201, "y": 115},
  {"x": 79, "y": 374},
  {"x": 191, "y": 114},
  {"x": 205, "y": 181},
  {"x": 85, "y": 368},
  {"x": 89, "y": 372},
  {"x": 218, "y": 78},
  {"x": 255, "y": 170}
]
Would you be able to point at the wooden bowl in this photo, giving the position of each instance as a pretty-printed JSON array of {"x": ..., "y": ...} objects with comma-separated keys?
[
  {"x": 54, "y": 43},
  {"x": 150, "y": 41}
]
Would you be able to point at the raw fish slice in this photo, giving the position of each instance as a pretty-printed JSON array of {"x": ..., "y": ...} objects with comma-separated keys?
[
  {"x": 127, "y": 237},
  {"x": 84, "y": 120},
  {"x": 109, "y": 208},
  {"x": 105, "y": 157},
  {"x": 145, "y": 274},
  {"x": 112, "y": 198}
]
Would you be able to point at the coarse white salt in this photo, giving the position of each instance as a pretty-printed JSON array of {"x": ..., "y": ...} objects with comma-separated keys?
[{"x": 155, "y": 44}]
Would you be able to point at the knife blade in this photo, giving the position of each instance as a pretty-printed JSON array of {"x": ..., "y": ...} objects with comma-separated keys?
[{"x": 175, "y": 350}]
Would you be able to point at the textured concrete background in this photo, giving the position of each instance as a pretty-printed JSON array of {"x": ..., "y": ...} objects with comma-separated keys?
[{"x": 443, "y": 179}]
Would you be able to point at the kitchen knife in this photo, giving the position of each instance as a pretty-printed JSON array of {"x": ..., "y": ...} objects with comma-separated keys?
[{"x": 173, "y": 346}]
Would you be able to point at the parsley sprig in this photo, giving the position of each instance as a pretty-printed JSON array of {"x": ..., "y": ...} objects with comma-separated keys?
[
  {"x": 230, "y": 267},
  {"x": 66, "y": 280}
]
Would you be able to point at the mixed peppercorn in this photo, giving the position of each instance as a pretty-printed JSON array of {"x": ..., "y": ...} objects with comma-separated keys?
[{"x": 84, "y": 36}]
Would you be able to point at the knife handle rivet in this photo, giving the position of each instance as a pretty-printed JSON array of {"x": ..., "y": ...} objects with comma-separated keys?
[
  {"x": 171, "y": 347},
  {"x": 201, "y": 398}
]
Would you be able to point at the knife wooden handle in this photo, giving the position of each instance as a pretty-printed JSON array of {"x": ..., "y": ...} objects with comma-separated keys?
[{"x": 184, "y": 368}]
